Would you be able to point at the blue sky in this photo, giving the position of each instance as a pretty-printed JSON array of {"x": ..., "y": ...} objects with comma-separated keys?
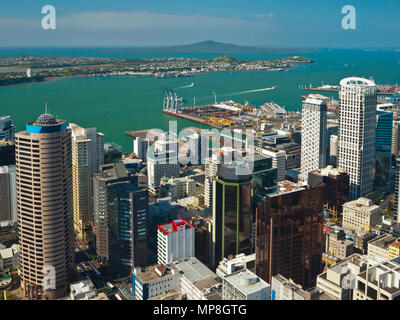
[{"x": 278, "y": 23}]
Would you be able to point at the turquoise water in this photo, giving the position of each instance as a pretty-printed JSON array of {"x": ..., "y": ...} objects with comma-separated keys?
[{"x": 118, "y": 104}]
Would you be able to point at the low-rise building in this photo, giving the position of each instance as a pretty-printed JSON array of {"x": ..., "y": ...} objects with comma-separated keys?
[
  {"x": 378, "y": 248},
  {"x": 338, "y": 280},
  {"x": 287, "y": 289},
  {"x": 154, "y": 281},
  {"x": 379, "y": 282},
  {"x": 85, "y": 290},
  {"x": 360, "y": 214},
  {"x": 337, "y": 245},
  {"x": 235, "y": 264},
  {"x": 9, "y": 257},
  {"x": 245, "y": 285},
  {"x": 198, "y": 282}
]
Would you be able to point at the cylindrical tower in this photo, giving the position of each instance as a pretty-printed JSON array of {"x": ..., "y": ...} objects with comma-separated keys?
[{"x": 44, "y": 203}]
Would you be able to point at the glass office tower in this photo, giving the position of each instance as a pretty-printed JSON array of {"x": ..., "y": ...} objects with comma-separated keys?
[{"x": 232, "y": 214}]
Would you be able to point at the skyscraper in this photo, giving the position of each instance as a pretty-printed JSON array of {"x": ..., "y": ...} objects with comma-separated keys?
[
  {"x": 357, "y": 127},
  {"x": 128, "y": 208},
  {"x": 232, "y": 213},
  {"x": 333, "y": 150},
  {"x": 337, "y": 188},
  {"x": 7, "y": 129},
  {"x": 8, "y": 194},
  {"x": 383, "y": 148},
  {"x": 289, "y": 235},
  {"x": 396, "y": 215},
  {"x": 44, "y": 206},
  {"x": 87, "y": 156},
  {"x": 313, "y": 140},
  {"x": 108, "y": 175}
]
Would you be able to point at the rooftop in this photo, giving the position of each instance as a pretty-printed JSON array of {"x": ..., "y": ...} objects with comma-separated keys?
[
  {"x": 174, "y": 226},
  {"x": 383, "y": 241},
  {"x": 194, "y": 270},
  {"x": 356, "y": 81},
  {"x": 246, "y": 281},
  {"x": 150, "y": 274}
]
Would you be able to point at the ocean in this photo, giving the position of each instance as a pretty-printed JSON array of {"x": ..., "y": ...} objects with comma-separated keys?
[{"x": 117, "y": 104}]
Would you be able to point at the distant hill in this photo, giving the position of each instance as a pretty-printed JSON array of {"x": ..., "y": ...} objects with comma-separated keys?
[{"x": 210, "y": 46}]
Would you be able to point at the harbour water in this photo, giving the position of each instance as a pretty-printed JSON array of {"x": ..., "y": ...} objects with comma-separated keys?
[{"x": 118, "y": 104}]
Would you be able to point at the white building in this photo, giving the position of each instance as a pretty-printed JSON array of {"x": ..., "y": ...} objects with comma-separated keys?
[
  {"x": 9, "y": 258},
  {"x": 175, "y": 241},
  {"x": 313, "y": 141},
  {"x": 333, "y": 149},
  {"x": 245, "y": 285},
  {"x": 166, "y": 142},
  {"x": 179, "y": 188},
  {"x": 360, "y": 215},
  {"x": 154, "y": 281},
  {"x": 357, "y": 129},
  {"x": 159, "y": 165},
  {"x": 278, "y": 160},
  {"x": 212, "y": 164},
  {"x": 197, "y": 281},
  {"x": 85, "y": 290},
  {"x": 140, "y": 147},
  {"x": 87, "y": 157},
  {"x": 378, "y": 248},
  {"x": 7, "y": 129},
  {"x": 338, "y": 280},
  {"x": 197, "y": 147},
  {"x": 379, "y": 282},
  {"x": 239, "y": 262},
  {"x": 8, "y": 193}
]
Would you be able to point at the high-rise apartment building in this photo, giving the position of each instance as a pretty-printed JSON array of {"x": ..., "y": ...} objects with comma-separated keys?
[
  {"x": 87, "y": 156},
  {"x": 313, "y": 140},
  {"x": 7, "y": 129},
  {"x": 232, "y": 213},
  {"x": 44, "y": 205},
  {"x": 289, "y": 235},
  {"x": 175, "y": 241},
  {"x": 357, "y": 127}
]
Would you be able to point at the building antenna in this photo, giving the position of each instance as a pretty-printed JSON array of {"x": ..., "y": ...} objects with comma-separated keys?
[{"x": 45, "y": 107}]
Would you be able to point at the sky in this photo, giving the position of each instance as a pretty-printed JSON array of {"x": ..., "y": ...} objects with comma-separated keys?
[{"x": 134, "y": 23}]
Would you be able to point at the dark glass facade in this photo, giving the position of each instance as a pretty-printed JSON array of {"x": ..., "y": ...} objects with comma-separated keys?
[
  {"x": 289, "y": 235},
  {"x": 128, "y": 225},
  {"x": 232, "y": 213}
]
